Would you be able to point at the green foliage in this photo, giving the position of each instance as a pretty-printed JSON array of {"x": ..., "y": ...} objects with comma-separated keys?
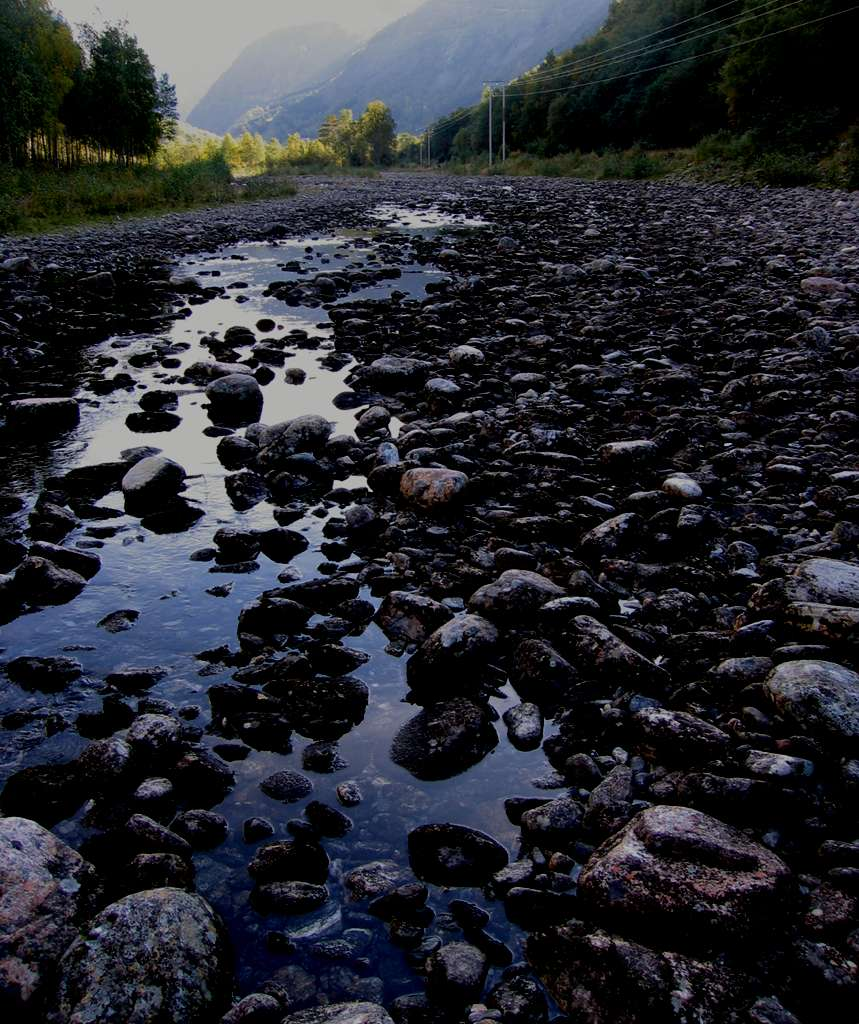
[
  {"x": 68, "y": 102},
  {"x": 37, "y": 198},
  {"x": 652, "y": 78}
]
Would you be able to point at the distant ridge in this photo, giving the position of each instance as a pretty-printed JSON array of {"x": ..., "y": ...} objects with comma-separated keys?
[
  {"x": 283, "y": 62},
  {"x": 433, "y": 61}
]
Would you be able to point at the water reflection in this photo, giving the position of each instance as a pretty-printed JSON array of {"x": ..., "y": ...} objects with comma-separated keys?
[{"x": 184, "y": 606}]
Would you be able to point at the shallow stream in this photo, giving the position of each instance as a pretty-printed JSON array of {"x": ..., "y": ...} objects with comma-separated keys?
[{"x": 153, "y": 574}]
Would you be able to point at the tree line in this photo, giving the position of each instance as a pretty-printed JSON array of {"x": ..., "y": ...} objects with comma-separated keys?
[
  {"x": 667, "y": 73},
  {"x": 66, "y": 101},
  {"x": 370, "y": 140}
]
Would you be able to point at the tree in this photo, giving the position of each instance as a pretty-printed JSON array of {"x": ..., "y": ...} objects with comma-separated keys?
[
  {"x": 38, "y": 63},
  {"x": 377, "y": 129}
]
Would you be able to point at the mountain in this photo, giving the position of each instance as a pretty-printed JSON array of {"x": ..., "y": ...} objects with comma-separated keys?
[
  {"x": 279, "y": 63},
  {"x": 436, "y": 59}
]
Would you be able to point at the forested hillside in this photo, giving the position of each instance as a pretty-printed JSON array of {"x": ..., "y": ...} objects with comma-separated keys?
[{"x": 667, "y": 74}]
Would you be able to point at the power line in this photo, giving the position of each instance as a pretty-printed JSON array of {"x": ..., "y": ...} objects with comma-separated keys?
[
  {"x": 695, "y": 56},
  {"x": 449, "y": 122},
  {"x": 584, "y": 63},
  {"x": 688, "y": 37},
  {"x": 595, "y": 61}
]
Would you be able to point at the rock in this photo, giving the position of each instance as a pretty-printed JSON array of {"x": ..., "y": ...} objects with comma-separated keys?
[
  {"x": 628, "y": 454},
  {"x": 603, "y": 979},
  {"x": 454, "y": 855},
  {"x": 153, "y": 956},
  {"x": 676, "y": 737},
  {"x": 682, "y": 487},
  {"x": 410, "y": 617},
  {"x": 456, "y": 974},
  {"x": 152, "y": 480},
  {"x": 341, "y": 1013},
  {"x": 40, "y": 582},
  {"x": 290, "y": 898},
  {"x": 372, "y": 421},
  {"x": 433, "y": 488},
  {"x": 235, "y": 400},
  {"x": 202, "y": 829},
  {"x": 390, "y": 374},
  {"x": 105, "y": 764},
  {"x": 327, "y": 820},
  {"x": 287, "y": 786},
  {"x": 519, "y": 998},
  {"x": 466, "y": 357},
  {"x": 154, "y": 738},
  {"x": 555, "y": 825},
  {"x": 455, "y": 654},
  {"x": 610, "y": 804},
  {"x": 524, "y": 726},
  {"x": 288, "y": 860},
  {"x": 257, "y": 1008},
  {"x": 369, "y": 881},
  {"x": 820, "y": 697},
  {"x": 444, "y": 740},
  {"x": 604, "y": 656},
  {"x": 539, "y": 674},
  {"x": 84, "y": 563},
  {"x": 823, "y": 581},
  {"x": 613, "y": 537},
  {"x": 682, "y": 875},
  {"x": 822, "y": 287},
  {"x": 47, "y": 674},
  {"x": 43, "y": 415},
  {"x": 47, "y": 891},
  {"x": 515, "y": 596}
]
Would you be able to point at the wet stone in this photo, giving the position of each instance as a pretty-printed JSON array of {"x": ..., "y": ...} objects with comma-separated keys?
[
  {"x": 287, "y": 786},
  {"x": 454, "y": 855}
]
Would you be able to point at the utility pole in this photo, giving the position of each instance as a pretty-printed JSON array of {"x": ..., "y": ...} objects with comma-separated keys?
[
  {"x": 421, "y": 151},
  {"x": 429, "y": 148},
  {"x": 492, "y": 87},
  {"x": 504, "y": 122},
  {"x": 490, "y": 123}
]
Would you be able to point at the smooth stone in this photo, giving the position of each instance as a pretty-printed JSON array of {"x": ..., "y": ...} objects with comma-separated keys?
[{"x": 820, "y": 697}]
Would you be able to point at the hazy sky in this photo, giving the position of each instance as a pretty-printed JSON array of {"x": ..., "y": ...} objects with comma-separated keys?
[{"x": 194, "y": 41}]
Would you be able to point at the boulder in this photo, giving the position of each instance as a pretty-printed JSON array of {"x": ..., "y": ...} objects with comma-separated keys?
[
  {"x": 46, "y": 891},
  {"x": 43, "y": 415},
  {"x": 433, "y": 488},
  {"x": 39, "y": 581},
  {"x": 676, "y": 873},
  {"x": 410, "y": 617},
  {"x": 444, "y": 740},
  {"x": 820, "y": 697},
  {"x": 158, "y": 955},
  {"x": 676, "y": 737},
  {"x": 152, "y": 480},
  {"x": 516, "y": 595},
  {"x": 603, "y": 979},
  {"x": 454, "y": 855},
  {"x": 453, "y": 657},
  {"x": 341, "y": 1013},
  {"x": 235, "y": 400},
  {"x": 456, "y": 974}
]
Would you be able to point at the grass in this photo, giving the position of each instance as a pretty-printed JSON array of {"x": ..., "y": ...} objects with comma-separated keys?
[
  {"x": 728, "y": 158},
  {"x": 40, "y": 199}
]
